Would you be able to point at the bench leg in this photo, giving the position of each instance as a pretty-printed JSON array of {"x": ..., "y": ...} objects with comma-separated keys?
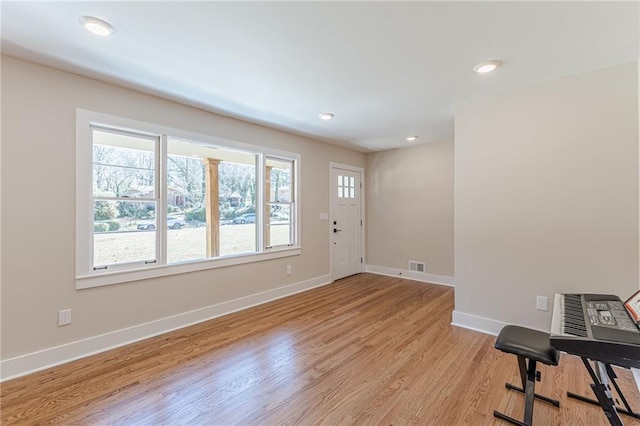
[
  {"x": 528, "y": 376},
  {"x": 529, "y": 391},
  {"x": 511, "y": 420},
  {"x": 529, "y": 384},
  {"x": 543, "y": 398}
]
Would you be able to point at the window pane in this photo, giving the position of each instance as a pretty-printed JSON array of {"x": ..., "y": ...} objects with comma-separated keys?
[
  {"x": 280, "y": 178},
  {"x": 116, "y": 181},
  {"x": 186, "y": 214},
  {"x": 117, "y": 149},
  {"x": 186, "y": 242},
  {"x": 237, "y": 185},
  {"x": 238, "y": 206},
  {"x": 123, "y": 165},
  {"x": 281, "y": 225},
  {"x": 281, "y": 234},
  {"x": 279, "y": 193},
  {"x": 340, "y": 192},
  {"x": 185, "y": 181},
  {"x": 279, "y": 213},
  {"x": 124, "y": 231},
  {"x": 281, "y": 197},
  {"x": 339, "y": 180},
  {"x": 353, "y": 193},
  {"x": 352, "y": 182},
  {"x": 197, "y": 173},
  {"x": 238, "y": 238}
]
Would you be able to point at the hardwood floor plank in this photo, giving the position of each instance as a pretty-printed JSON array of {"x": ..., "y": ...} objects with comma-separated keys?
[{"x": 364, "y": 350}]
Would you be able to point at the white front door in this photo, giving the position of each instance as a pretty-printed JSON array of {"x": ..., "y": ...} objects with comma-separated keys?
[{"x": 346, "y": 222}]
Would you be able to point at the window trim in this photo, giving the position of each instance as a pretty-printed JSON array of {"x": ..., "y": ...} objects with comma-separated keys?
[
  {"x": 87, "y": 278},
  {"x": 157, "y": 185},
  {"x": 294, "y": 203}
]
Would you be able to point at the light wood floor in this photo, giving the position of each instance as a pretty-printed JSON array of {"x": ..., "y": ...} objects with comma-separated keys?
[{"x": 364, "y": 350}]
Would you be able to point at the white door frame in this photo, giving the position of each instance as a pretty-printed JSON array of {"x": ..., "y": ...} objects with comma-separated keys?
[{"x": 333, "y": 165}]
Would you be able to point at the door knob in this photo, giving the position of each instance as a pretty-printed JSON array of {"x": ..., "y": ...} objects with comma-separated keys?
[{"x": 335, "y": 230}]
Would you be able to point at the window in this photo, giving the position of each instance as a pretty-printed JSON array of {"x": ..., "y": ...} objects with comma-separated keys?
[
  {"x": 280, "y": 203},
  {"x": 155, "y": 201},
  {"x": 346, "y": 187},
  {"x": 215, "y": 189},
  {"x": 124, "y": 169}
]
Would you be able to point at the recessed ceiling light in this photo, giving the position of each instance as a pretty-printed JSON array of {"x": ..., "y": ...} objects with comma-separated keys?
[
  {"x": 327, "y": 115},
  {"x": 411, "y": 138},
  {"x": 96, "y": 26},
  {"x": 487, "y": 66}
]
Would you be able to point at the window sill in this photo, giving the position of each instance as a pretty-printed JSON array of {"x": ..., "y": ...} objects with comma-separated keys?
[{"x": 109, "y": 278}]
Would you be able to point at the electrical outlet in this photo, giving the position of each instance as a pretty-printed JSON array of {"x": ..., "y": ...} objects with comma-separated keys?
[
  {"x": 542, "y": 303},
  {"x": 64, "y": 317},
  {"x": 289, "y": 269}
]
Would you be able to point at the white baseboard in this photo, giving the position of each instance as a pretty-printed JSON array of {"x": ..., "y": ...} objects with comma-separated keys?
[
  {"x": 40, "y": 360},
  {"x": 411, "y": 275},
  {"x": 473, "y": 322}
]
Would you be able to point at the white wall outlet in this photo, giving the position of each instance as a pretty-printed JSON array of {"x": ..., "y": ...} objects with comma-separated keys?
[
  {"x": 289, "y": 269},
  {"x": 542, "y": 303},
  {"x": 64, "y": 317}
]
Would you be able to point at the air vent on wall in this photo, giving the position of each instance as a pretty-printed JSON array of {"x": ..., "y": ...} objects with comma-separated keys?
[{"x": 415, "y": 266}]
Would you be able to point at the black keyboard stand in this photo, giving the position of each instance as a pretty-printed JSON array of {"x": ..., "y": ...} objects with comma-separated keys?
[{"x": 603, "y": 395}]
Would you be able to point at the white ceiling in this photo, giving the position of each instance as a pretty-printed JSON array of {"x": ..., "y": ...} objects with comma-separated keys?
[{"x": 386, "y": 69}]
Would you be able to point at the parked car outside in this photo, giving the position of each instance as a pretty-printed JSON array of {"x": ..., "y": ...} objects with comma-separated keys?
[
  {"x": 245, "y": 218},
  {"x": 173, "y": 222}
]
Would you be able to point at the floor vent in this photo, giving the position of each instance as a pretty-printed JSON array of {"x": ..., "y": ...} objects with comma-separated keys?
[{"x": 416, "y": 266}]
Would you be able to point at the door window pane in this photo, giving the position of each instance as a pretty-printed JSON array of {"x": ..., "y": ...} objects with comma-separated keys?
[{"x": 346, "y": 187}]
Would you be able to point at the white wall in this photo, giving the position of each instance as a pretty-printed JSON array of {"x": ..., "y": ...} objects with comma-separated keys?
[
  {"x": 546, "y": 196},
  {"x": 38, "y": 223},
  {"x": 409, "y": 194}
]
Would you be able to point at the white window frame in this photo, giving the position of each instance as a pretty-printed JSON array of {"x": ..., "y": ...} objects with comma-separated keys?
[
  {"x": 87, "y": 277},
  {"x": 293, "y": 203},
  {"x": 159, "y": 166}
]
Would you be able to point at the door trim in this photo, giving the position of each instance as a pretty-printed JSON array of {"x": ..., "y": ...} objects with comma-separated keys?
[{"x": 333, "y": 165}]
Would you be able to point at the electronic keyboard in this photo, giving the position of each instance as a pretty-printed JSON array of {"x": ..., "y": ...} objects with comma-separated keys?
[{"x": 597, "y": 327}]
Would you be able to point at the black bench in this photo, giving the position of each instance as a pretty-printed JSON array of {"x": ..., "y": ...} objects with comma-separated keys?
[{"x": 531, "y": 347}]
